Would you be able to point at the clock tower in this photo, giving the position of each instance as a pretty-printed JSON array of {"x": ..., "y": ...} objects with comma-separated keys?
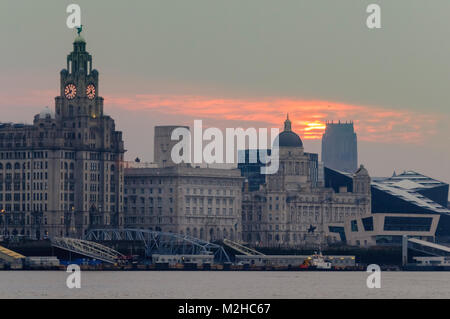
[
  {"x": 96, "y": 147},
  {"x": 79, "y": 86}
]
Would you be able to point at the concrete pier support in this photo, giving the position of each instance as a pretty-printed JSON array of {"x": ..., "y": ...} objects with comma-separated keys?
[{"x": 404, "y": 250}]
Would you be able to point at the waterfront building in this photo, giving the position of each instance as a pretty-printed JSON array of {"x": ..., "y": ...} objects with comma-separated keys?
[
  {"x": 202, "y": 202},
  {"x": 405, "y": 204},
  {"x": 339, "y": 147},
  {"x": 62, "y": 175},
  {"x": 428, "y": 187},
  {"x": 389, "y": 228},
  {"x": 290, "y": 211}
]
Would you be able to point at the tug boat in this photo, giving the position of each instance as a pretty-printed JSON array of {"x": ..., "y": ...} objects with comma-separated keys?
[{"x": 316, "y": 262}]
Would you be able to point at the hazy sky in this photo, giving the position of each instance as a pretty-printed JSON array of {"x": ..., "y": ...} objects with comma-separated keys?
[{"x": 246, "y": 63}]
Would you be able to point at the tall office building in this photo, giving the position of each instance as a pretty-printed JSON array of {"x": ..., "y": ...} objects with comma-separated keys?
[
  {"x": 339, "y": 147},
  {"x": 63, "y": 174},
  {"x": 163, "y": 144}
]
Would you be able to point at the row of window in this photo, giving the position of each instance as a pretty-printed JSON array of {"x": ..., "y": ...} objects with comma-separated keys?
[
  {"x": 201, "y": 200},
  {"x": 201, "y": 210},
  {"x": 22, "y": 155},
  {"x": 25, "y": 165},
  {"x": 150, "y": 190},
  {"x": 25, "y": 207},
  {"x": 201, "y": 191},
  {"x": 8, "y": 197}
]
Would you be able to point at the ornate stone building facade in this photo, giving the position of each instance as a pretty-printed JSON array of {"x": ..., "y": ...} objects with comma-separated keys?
[
  {"x": 63, "y": 174},
  {"x": 201, "y": 202},
  {"x": 289, "y": 211}
]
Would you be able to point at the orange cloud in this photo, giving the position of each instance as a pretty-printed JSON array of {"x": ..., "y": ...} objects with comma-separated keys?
[{"x": 308, "y": 116}]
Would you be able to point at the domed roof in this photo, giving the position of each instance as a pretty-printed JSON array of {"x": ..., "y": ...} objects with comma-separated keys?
[
  {"x": 362, "y": 171},
  {"x": 288, "y": 138},
  {"x": 46, "y": 113}
]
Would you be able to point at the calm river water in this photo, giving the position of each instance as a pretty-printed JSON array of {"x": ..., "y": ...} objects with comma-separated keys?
[{"x": 183, "y": 284}]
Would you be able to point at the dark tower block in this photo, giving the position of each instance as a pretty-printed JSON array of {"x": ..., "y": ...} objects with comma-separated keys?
[{"x": 339, "y": 147}]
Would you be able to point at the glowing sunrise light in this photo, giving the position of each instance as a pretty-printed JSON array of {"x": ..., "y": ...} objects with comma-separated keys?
[
  {"x": 315, "y": 126},
  {"x": 311, "y": 130}
]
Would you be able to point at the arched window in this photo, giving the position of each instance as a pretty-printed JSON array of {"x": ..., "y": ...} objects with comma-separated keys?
[
  {"x": 1, "y": 166},
  {"x": 8, "y": 166}
]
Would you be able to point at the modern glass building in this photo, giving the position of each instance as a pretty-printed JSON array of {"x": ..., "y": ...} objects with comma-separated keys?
[
  {"x": 251, "y": 161},
  {"x": 409, "y": 203}
]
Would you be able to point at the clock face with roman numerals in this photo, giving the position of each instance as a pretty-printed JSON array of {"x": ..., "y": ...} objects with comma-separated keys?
[
  {"x": 90, "y": 91},
  {"x": 70, "y": 91}
]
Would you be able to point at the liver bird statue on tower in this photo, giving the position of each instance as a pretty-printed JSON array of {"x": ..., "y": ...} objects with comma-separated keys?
[{"x": 79, "y": 29}]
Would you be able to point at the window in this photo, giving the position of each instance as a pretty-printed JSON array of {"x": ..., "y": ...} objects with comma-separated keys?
[
  {"x": 367, "y": 223},
  {"x": 407, "y": 223},
  {"x": 340, "y": 230},
  {"x": 354, "y": 225}
]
